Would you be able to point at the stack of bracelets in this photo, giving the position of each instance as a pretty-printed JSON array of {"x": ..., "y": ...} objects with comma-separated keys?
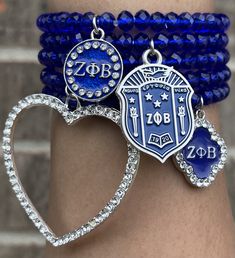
[
  {"x": 193, "y": 44},
  {"x": 150, "y": 74}
]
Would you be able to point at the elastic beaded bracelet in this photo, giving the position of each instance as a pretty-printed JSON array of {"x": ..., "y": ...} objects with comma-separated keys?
[
  {"x": 184, "y": 60},
  {"x": 70, "y": 22},
  {"x": 199, "y": 80},
  {"x": 127, "y": 42}
]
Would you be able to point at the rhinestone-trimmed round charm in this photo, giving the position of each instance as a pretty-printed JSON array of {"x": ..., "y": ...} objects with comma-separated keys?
[{"x": 96, "y": 67}]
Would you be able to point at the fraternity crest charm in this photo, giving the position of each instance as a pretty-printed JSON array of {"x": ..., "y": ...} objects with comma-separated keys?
[{"x": 157, "y": 114}]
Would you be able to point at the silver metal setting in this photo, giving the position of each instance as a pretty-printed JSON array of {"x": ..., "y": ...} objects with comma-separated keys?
[
  {"x": 70, "y": 118},
  {"x": 188, "y": 171},
  {"x": 140, "y": 81}
]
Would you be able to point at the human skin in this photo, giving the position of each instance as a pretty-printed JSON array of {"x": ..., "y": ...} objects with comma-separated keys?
[{"x": 162, "y": 216}]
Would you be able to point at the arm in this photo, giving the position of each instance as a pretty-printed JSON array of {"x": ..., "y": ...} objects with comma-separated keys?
[{"x": 162, "y": 216}]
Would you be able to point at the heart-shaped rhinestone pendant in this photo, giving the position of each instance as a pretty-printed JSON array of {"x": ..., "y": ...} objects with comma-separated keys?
[
  {"x": 205, "y": 154},
  {"x": 70, "y": 118}
]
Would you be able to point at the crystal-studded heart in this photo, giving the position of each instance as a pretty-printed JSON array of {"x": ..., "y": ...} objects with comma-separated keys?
[
  {"x": 70, "y": 118},
  {"x": 204, "y": 156}
]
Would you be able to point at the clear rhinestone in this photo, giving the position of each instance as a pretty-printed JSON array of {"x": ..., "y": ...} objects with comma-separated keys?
[
  {"x": 115, "y": 75},
  {"x": 89, "y": 94},
  {"x": 69, "y": 71},
  {"x": 92, "y": 223},
  {"x": 70, "y": 63},
  {"x": 75, "y": 87},
  {"x": 95, "y": 44},
  {"x": 80, "y": 49},
  {"x": 111, "y": 83},
  {"x": 74, "y": 55},
  {"x": 87, "y": 45},
  {"x": 110, "y": 51},
  {"x": 103, "y": 47},
  {"x": 116, "y": 67},
  {"x": 98, "y": 93},
  {"x": 106, "y": 89},
  {"x": 82, "y": 92},
  {"x": 71, "y": 80},
  {"x": 114, "y": 58}
]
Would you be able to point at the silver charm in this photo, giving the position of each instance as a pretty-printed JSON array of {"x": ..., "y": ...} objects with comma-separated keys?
[
  {"x": 70, "y": 118},
  {"x": 156, "y": 109},
  {"x": 204, "y": 155},
  {"x": 93, "y": 68}
]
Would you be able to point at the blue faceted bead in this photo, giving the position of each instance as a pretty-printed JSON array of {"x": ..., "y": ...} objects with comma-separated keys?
[
  {"x": 190, "y": 41},
  {"x": 40, "y": 22},
  {"x": 199, "y": 20},
  {"x": 186, "y": 20},
  {"x": 189, "y": 61},
  {"x": 193, "y": 78},
  {"x": 142, "y": 20},
  {"x": 205, "y": 79},
  {"x": 125, "y": 43},
  {"x": 174, "y": 60},
  {"x": 76, "y": 38},
  {"x": 207, "y": 97},
  {"x": 106, "y": 21},
  {"x": 225, "y": 21},
  {"x": 172, "y": 20},
  {"x": 175, "y": 42},
  {"x": 213, "y": 39},
  {"x": 202, "y": 60},
  {"x": 223, "y": 40},
  {"x": 160, "y": 41},
  {"x": 157, "y": 22},
  {"x": 216, "y": 95},
  {"x": 74, "y": 22},
  {"x": 227, "y": 73},
  {"x": 125, "y": 21},
  {"x": 196, "y": 101},
  {"x": 141, "y": 43},
  {"x": 202, "y": 41},
  {"x": 212, "y": 20},
  {"x": 111, "y": 39},
  {"x": 87, "y": 22},
  {"x": 214, "y": 77},
  {"x": 60, "y": 21}
]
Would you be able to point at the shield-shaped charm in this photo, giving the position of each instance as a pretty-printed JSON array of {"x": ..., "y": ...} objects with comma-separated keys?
[{"x": 157, "y": 114}]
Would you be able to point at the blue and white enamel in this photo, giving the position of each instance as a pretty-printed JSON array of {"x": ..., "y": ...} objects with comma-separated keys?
[
  {"x": 157, "y": 114},
  {"x": 93, "y": 69},
  {"x": 204, "y": 156}
]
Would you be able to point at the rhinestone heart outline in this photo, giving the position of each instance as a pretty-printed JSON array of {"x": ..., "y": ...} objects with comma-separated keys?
[
  {"x": 70, "y": 118},
  {"x": 188, "y": 170}
]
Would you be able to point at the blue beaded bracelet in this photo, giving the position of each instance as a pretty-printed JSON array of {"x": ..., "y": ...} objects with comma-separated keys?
[
  {"x": 200, "y": 55},
  {"x": 125, "y": 41},
  {"x": 183, "y": 60},
  {"x": 142, "y": 20}
]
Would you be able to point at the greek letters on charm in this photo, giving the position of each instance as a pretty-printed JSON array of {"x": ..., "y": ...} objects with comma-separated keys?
[
  {"x": 157, "y": 115},
  {"x": 93, "y": 69},
  {"x": 204, "y": 156}
]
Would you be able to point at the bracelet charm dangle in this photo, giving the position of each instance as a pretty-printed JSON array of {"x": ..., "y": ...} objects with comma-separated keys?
[
  {"x": 205, "y": 154},
  {"x": 93, "y": 68},
  {"x": 157, "y": 114}
]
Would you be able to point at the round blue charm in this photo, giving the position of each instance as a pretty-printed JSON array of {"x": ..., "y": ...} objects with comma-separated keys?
[
  {"x": 204, "y": 156},
  {"x": 93, "y": 69}
]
